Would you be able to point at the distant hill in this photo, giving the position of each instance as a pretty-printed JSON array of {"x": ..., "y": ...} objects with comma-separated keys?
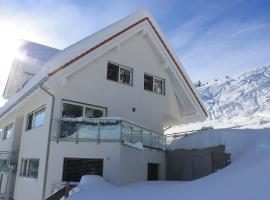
[{"x": 245, "y": 96}]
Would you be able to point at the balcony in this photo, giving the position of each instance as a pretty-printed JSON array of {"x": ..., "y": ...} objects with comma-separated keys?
[{"x": 106, "y": 130}]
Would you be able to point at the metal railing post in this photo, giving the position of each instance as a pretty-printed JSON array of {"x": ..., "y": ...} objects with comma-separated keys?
[
  {"x": 77, "y": 133},
  {"x": 121, "y": 131},
  {"x": 131, "y": 134},
  {"x": 98, "y": 132}
]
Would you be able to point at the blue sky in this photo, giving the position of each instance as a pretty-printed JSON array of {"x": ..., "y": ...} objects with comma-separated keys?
[{"x": 213, "y": 38}]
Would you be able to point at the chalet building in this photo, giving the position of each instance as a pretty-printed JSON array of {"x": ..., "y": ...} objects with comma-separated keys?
[{"x": 97, "y": 107}]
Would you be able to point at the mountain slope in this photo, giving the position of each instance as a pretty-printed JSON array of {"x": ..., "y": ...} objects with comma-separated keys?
[{"x": 247, "y": 95}]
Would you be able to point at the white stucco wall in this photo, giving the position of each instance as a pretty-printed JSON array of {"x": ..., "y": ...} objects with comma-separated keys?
[
  {"x": 90, "y": 85},
  {"x": 33, "y": 145}
]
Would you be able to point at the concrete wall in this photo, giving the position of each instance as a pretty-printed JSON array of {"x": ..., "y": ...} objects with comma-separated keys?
[
  {"x": 134, "y": 164},
  {"x": 192, "y": 164}
]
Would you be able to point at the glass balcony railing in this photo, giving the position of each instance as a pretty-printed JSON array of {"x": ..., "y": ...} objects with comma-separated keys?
[{"x": 106, "y": 129}]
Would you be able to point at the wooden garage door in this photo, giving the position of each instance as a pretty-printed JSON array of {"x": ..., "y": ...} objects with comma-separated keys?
[{"x": 75, "y": 168}]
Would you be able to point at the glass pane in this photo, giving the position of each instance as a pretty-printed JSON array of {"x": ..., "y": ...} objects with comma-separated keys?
[
  {"x": 33, "y": 168},
  {"x": 88, "y": 131},
  {"x": 136, "y": 134},
  {"x": 155, "y": 140},
  {"x": 29, "y": 121},
  {"x": 148, "y": 82},
  {"x": 146, "y": 137},
  {"x": 24, "y": 167},
  {"x": 39, "y": 118},
  {"x": 112, "y": 72},
  {"x": 126, "y": 132},
  {"x": 8, "y": 131},
  {"x": 68, "y": 129},
  {"x": 72, "y": 111},
  {"x": 93, "y": 113},
  {"x": 125, "y": 76},
  {"x": 158, "y": 86},
  {"x": 110, "y": 131}
]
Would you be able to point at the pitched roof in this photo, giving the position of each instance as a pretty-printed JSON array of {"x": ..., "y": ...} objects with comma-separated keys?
[{"x": 88, "y": 45}]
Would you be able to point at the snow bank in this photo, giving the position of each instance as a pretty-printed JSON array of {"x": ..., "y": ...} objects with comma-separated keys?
[
  {"x": 246, "y": 178},
  {"x": 237, "y": 141}
]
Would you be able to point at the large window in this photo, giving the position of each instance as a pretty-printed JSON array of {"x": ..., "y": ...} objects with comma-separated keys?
[
  {"x": 77, "y": 110},
  {"x": 8, "y": 131},
  {"x": 36, "y": 119},
  {"x": 154, "y": 84},
  {"x": 29, "y": 168},
  {"x": 119, "y": 73}
]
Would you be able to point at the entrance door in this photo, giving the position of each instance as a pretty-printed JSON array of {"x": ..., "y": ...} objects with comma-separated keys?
[
  {"x": 75, "y": 168},
  {"x": 153, "y": 171}
]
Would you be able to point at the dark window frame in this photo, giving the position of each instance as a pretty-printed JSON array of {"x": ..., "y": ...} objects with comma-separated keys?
[
  {"x": 10, "y": 126},
  {"x": 31, "y": 116},
  {"x": 25, "y": 167},
  {"x": 84, "y": 105},
  {"x": 153, "y": 80},
  {"x": 120, "y": 66}
]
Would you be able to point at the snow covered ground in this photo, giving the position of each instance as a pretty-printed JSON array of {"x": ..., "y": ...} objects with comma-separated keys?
[
  {"x": 246, "y": 178},
  {"x": 241, "y": 112}
]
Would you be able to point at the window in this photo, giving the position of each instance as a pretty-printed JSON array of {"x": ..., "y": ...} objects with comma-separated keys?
[
  {"x": 29, "y": 168},
  {"x": 119, "y": 73},
  {"x": 33, "y": 168},
  {"x": 74, "y": 110},
  {"x": 36, "y": 119},
  {"x": 154, "y": 84},
  {"x": 8, "y": 131}
]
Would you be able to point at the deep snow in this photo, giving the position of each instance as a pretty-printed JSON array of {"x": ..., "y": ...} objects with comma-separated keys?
[{"x": 246, "y": 178}]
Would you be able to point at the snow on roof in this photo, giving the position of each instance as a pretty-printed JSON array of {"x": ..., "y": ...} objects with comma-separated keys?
[
  {"x": 76, "y": 51},
  {"x": 35, "y": 53}
]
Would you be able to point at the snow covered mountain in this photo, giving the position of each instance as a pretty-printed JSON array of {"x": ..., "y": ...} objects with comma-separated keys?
[{"x": 247, "y": 95}]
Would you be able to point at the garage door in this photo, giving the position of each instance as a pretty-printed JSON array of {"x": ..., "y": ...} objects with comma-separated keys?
[{"x": 75, "y": 168}]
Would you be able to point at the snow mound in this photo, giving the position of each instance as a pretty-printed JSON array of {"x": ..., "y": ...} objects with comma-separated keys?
[
  {"x": 246, "y": 177},
  {"x": 247, "y": 95}
]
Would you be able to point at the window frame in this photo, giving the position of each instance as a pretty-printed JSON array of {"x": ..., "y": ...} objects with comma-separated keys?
[
  {"x": 5, "y": 132},
  {"x": 43, "y": 107},
  {"x": 24, "y": 168},
  {"x": 120, "y": 66},
  {"x": 84, "y": 105},
  {"x": 157, "y": 78}
]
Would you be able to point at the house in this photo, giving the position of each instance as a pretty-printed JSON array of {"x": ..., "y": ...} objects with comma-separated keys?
[{"x": 97, "y": 107}]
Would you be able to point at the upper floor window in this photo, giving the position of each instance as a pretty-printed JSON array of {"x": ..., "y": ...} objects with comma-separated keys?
[
  {"x": 76, "y": 110},
  {"x": 36, "y": 118},
  {"x": 8, "y": 131},
  {"x": 29, "y": 168},
  {"x": 119, "y": 73},
  {"x": 154, "y": 84}
]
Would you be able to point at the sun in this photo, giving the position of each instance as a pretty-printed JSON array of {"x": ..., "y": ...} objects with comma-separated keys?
[{"x": 10, "y": 40}]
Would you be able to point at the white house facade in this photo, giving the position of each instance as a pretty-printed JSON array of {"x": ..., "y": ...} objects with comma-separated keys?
[{"x": 97, "y": 107}]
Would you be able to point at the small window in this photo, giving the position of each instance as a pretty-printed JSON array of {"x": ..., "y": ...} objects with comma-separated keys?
[
  {"x": 29, "y": 168},
  {"x": 93, "y": 113},
  {"x": 33, "y": 168},
  {"x": 72, "y": 110},
  {"x": 119, "y": 73},
  {"x": 154, "y": 84},
  {"x": 35, "y": 119},
  {"x": 24, "y": 166},
  {"x": 8, "y": 131}
]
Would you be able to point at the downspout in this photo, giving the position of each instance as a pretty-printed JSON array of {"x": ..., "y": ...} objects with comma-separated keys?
[{"x": 48, "y": 142}]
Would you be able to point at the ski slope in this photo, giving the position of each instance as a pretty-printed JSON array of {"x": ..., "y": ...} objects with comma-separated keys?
[{"x": 245, "y": 96}]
